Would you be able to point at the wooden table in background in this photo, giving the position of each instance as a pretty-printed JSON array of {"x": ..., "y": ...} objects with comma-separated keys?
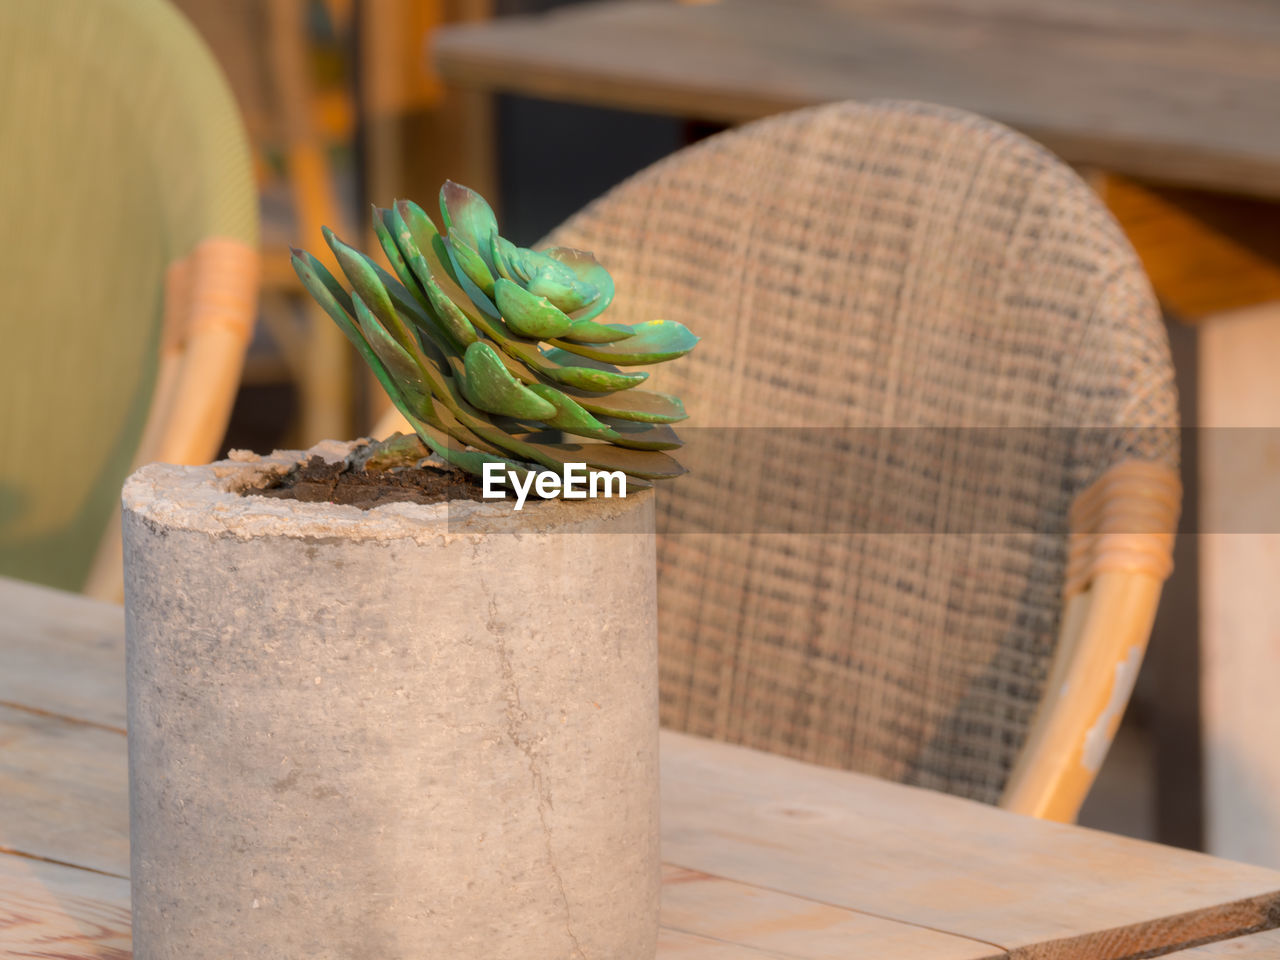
[
  {"x": 1176, "y": 90},
  {"x": 1180, "y": 92},
  {"x": 765, "y": 857}
]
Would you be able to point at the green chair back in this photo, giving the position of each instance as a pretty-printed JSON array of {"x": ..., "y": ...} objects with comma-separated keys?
[{"x": 120, "y": 150}]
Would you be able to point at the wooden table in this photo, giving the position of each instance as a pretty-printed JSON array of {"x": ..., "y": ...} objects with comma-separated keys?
[
  {"x": 1180, "y": 91},
  {"x": 765, "y": 857}
]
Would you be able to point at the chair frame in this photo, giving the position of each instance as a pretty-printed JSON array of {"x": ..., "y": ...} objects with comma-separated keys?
[
  {"x": 209, "y": 309},
  {"x": 1120, "y": 553}
]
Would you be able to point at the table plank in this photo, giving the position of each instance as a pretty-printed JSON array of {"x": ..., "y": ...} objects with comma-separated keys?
[
  {"x": 64, "y": 791},
  {"x": 49, "y": 910},
  {"x": 780, "y": 859},
  {"x": 62, "y": 653},
  {"x": 1043, "y": 891},
  {"x": 64, "y": 796},
  {"x": 676, "y": 945},
  {"x": 1175, "y": 90},
  {"x": 1259, "y": 946},
  {"x": 52, "y": 911},
  {"x": 715, "y": 911}
]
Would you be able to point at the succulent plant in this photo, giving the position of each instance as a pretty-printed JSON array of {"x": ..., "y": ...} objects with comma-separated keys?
[{"x": 497, "y": 353}]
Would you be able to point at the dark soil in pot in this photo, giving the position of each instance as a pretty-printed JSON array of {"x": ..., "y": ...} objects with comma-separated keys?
[{"x": 316, "y": 481}]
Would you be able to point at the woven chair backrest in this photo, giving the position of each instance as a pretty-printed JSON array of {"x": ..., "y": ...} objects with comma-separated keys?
[{"x": 923, "y": 335}]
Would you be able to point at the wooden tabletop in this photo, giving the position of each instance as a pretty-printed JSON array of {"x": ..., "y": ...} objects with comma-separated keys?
[
  {"x": 765, "y": 857},
  {"x": 1259, "y": 946},
  {"x": 1183, "y": 91}
]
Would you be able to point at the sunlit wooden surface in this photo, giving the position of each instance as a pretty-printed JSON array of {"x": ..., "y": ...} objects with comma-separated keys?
[
  {"x": 1259, "y": 946},
  {"x": 1176, "y": 90},
  {"x": 765, "y": 857}
]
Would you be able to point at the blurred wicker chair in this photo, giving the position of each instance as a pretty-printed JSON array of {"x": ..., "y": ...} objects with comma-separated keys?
[
  {"x": 131, "y": 252},
  {"x": 902, "y": 265}
]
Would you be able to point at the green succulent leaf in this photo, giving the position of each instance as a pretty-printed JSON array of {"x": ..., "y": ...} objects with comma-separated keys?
[
  {"x": 491, "y": 387},
  {"x": 450, "y": 423},
  {"x": 472, "y": 461},
  {"x": 384, "y": 227},
  {"x": 589, "y": 271},
  {"x": 527, "y": 362},
  {"x": 363, "y": 275},
  {"x": 438, "y": 252},
  {"x": 323, "y": 286},
  {"x": 500, "y": 250},
  {"x": 429, "y": 257},
  {"x": 452, "y": 319},
  {"x": 404, "y": 301},
  {"x": 645, "y": 406},
  {"x": 397, "y": 361},
  {"x": 493, "y": 352},
  {"x": 588, "y": 331},
  {"x": 469, "y": 218},
  {"x": 562, "y": 288},
  {"x": 647, "y": 464},
  {"x": 408, "y": 226},
  {"x": 570, "y": 415},
  {"x": 527, "y": 314},
  {"x": 587, "y": 374},
  {"x": 469, "y": 267},
  {"x": 642, "y": 436},
  {"x": 547, "y": 277},
  {"x": 654, "y": 341},
  {"x": 518, "y": 259},
  {"x": 412, "y": 228}
]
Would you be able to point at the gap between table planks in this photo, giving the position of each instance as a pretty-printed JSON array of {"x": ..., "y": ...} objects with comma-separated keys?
[{"x": 774, "y": 856}]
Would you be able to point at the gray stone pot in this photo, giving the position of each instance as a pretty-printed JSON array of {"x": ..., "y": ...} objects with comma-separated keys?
[{"x": 416, "y": 732}]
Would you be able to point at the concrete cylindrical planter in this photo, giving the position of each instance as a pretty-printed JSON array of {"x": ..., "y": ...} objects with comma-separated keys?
[{"x": 413, "y": 732}]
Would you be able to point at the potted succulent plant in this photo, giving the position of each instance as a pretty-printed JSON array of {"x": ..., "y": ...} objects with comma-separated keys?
[{"x": 421, "y": 730}]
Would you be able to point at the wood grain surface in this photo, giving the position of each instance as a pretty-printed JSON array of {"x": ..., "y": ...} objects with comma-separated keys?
[
  {"x": 53, "y": 912},
  {"x": 1040, "y": 890},
  {"x": 61, "y": 653},
  {"x": 719, "y": 911},
  {"x": 1259, "y": 946},
  {"x": 1175, "y": 90},
  {"x": 1206, "y": 254},
  {"x": 64, "y": 791},
  {"x": 767, "y": 857}
]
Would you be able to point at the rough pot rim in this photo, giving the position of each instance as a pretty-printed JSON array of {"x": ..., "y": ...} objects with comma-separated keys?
[{"x": 211, "y": 499}]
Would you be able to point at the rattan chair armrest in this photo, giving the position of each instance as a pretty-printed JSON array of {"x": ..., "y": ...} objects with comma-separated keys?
[
  {"x": 210, "y": 304},
  {"x": 1120, "y": 554}
]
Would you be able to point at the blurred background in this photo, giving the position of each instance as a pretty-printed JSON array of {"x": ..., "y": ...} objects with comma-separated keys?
[{"x": 1167, "y": 106}]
